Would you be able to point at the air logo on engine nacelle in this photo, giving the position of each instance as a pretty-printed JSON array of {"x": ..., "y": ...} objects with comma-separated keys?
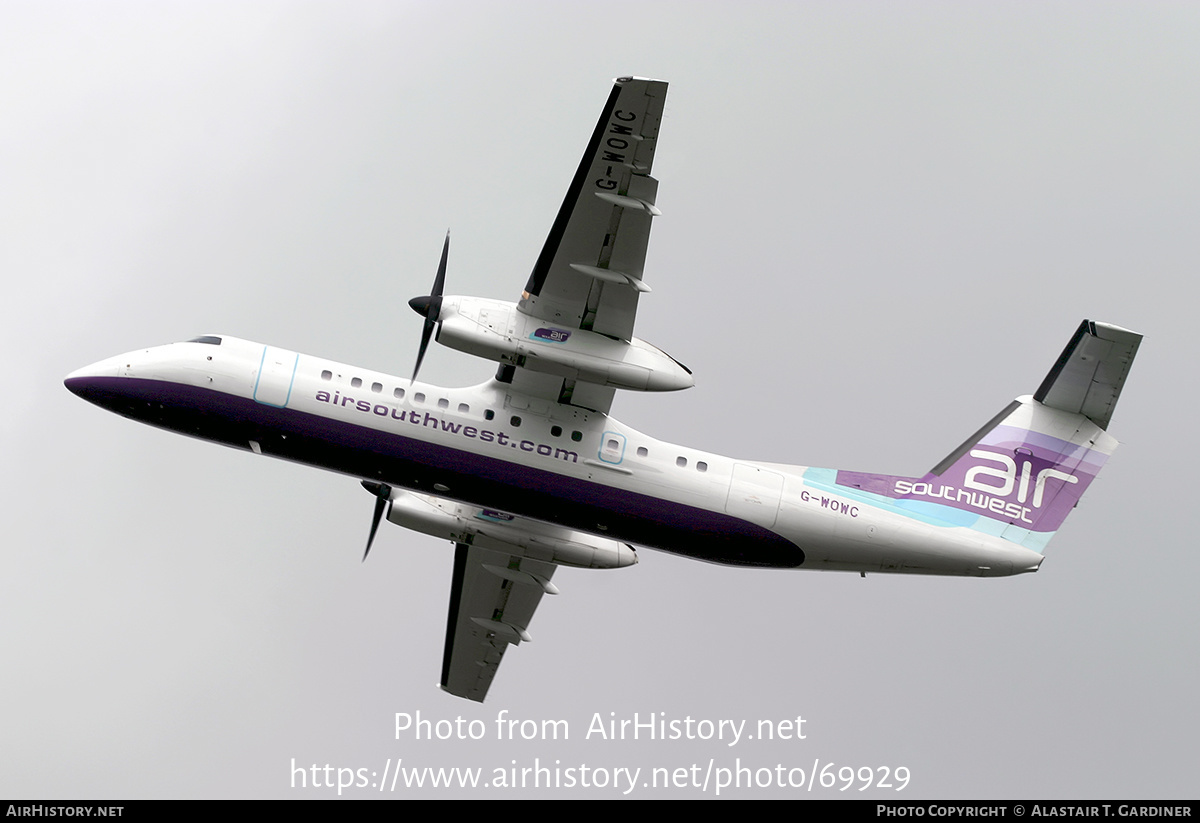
[{"x": 553, "y": 335}]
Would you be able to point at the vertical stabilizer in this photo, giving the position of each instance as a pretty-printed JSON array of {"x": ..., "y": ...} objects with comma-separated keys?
[{"x": 1020, "y": 475}]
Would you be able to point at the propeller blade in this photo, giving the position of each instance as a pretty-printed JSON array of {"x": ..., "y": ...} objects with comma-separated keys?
[
  {"x": 426, "y": 335},
  {"x": 439, "y": 282},
  {"x": 383, "y": 493},
  {"x": 431, "y": 306}
]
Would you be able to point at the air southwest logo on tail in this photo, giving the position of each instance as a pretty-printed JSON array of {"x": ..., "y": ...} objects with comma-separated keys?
[{"x": 986, "y": 487}]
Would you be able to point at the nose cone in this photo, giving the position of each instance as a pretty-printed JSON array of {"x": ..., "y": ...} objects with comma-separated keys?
[
  {"x": 95, "y": 383},
  {"x": 80, "y": 380}
]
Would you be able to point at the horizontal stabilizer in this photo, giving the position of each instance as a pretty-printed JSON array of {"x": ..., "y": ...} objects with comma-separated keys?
[{"x": 1089, "y": 375}]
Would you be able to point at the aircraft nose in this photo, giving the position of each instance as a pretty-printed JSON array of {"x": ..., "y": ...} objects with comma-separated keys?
[
  {"x": 79, "y": 380},
  {"x": 90, "y": 381}
]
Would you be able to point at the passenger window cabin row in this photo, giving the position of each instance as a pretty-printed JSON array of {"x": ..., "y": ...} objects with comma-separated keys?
[{"x": 489, "y": 414}]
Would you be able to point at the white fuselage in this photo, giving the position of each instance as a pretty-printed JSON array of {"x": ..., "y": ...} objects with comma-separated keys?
[{"x": 562, "y": 465}]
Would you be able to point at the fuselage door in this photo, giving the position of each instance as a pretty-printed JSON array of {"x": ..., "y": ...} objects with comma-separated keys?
[
  {"x": 754, "y": 494},
  {"x": 612, "y": 447},
  {"x": 276, "y": 373}
]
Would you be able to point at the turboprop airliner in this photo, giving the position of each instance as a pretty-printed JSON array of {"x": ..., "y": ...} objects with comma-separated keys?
[{"x": 529, "y": 471}]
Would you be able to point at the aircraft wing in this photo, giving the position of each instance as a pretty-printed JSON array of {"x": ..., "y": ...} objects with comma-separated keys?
[
  {"x": 492, "y": 599},
  {"x": 502, "y": 567},
  {"x": 589, "y": 273}
]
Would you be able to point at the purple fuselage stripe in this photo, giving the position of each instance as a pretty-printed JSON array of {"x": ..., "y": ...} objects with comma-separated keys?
[{"x": 416, "y": 465}]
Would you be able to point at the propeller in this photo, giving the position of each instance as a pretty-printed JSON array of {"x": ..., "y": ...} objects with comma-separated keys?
[
  {"x": 430, "y": 306},
  {"x": 383, "y": 493}
]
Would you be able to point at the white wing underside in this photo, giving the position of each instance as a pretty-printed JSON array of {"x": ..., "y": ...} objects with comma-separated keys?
[
  {"x": 492, "y": 600},
  {"x": 589, "y": 273}
]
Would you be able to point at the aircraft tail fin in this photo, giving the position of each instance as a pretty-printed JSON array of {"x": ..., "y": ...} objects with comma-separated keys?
[{"x": 1020, "y": 475}]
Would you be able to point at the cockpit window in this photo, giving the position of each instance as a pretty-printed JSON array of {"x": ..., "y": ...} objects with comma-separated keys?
[{"x": 211, "y": 339}]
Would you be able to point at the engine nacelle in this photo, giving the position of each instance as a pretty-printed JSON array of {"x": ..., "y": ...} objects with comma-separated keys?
[
  {"x": 461, "y": 523},
  {"x": 495, "y": 330}
]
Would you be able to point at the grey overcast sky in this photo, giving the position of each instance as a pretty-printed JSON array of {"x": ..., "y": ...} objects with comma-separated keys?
[{"x": 882, "y": 221}]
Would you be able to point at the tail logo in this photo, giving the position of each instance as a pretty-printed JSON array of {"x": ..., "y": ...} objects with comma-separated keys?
[
  {"x": 991, "y": 487},
  {"x": 1021, "y": 474},
  {"x": 1008, "y": 477}
]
